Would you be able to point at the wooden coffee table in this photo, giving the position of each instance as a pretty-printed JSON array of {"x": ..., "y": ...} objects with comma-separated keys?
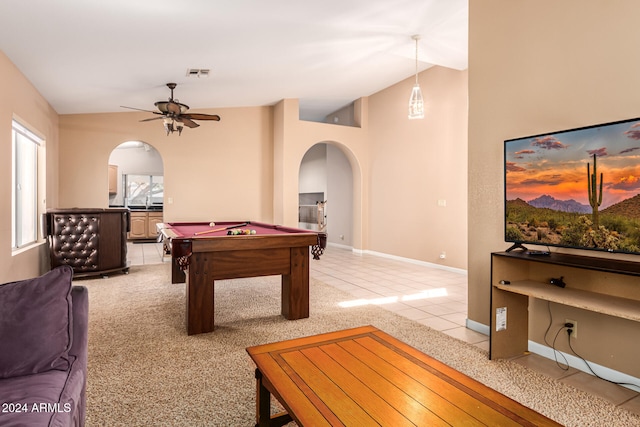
[{"x": 363, "y": 376}]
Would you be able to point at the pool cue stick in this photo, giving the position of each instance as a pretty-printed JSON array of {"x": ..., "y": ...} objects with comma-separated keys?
[{"x": 221, "y": 229}]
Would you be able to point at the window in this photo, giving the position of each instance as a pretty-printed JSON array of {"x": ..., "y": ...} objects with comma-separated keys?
[
  {"x": 24, "y": 194},
  {"x": 144, "y": 190}
]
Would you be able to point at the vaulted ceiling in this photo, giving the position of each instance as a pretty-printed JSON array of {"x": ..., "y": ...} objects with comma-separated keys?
[{"x": 88, "y": 56}]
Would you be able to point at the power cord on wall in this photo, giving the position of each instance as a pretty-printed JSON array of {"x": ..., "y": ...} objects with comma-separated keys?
[
  {"x": 569, "y": 327},
  {"x": 555, "y": 352}
]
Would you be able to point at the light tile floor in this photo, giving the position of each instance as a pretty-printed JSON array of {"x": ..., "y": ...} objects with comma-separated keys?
[{"x": 432, "y": 296}]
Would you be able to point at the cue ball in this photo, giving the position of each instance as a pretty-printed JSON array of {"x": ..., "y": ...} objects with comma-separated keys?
[{"x": 212, "y": 224}]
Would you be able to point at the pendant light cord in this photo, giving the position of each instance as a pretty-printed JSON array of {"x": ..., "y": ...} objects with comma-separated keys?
[{"x": 416, "y": 38}]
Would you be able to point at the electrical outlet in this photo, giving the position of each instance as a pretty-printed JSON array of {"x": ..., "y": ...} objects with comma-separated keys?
[{"x": 574, "y": 334}]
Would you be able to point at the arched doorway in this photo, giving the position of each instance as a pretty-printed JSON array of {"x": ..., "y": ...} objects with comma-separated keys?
[
  {"x": 136, "y": 181},
  {"x": 136, "y": 175},
  {"x": 326, "y": 174}
]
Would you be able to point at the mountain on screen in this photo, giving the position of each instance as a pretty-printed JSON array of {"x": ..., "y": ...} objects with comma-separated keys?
[{"x": 550, "y": 202}]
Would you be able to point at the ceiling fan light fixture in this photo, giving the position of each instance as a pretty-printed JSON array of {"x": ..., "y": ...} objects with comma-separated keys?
[
  {"x": 416, "y": 102},
  {"x": 162, "y": 106},
  {"x": 168, "y": 125},
  {"x": 175, "y": 115}
]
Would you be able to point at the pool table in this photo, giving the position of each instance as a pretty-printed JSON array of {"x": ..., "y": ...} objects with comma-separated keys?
[{"x": 202, "y": 253}]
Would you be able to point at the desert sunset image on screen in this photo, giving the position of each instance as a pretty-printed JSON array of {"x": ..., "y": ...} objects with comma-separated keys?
[{"x": 577, "y": 188}]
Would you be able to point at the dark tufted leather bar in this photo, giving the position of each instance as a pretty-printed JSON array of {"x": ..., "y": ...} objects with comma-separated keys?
[{"x": 91, "y": 241}]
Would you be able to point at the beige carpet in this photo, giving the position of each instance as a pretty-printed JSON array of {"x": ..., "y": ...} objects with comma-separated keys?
[{"x": 145, "y": 371}]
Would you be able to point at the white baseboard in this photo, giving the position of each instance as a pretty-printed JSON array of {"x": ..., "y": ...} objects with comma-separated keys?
[
  {"x": 340, "y": 246},
  {"x": 628, "y": 381},
  {"x": 409, "y": 260},
  {"x": 478, "y": 327},
  {"x": 575, "y": 362}
]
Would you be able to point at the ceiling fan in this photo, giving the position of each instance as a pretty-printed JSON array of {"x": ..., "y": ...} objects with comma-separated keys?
[{"x": 175, "y": 114}]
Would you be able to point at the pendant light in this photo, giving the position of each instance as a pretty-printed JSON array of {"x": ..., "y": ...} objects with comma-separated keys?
[{"x": 416, "y": 104}]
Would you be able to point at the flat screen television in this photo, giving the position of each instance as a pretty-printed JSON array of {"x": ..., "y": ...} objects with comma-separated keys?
[{"x": 576, "y": 188}]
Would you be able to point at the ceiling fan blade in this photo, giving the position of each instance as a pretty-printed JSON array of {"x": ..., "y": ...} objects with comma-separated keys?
[
  {"x": 140, "y": 109},
  {"x": 187, "y": 122},
  {"x": 152, "y": 118},
  {"x": 200, "y": 116}
]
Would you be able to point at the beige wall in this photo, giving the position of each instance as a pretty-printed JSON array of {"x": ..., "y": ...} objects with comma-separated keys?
[
  {"x": 219, "y": 171},
  {"x": 538, "y": 67},
  {"x": 414, "y": 164},
  {"x": 246, "y": 165},
  {"x": 21, "y": 101},
  {"x": 249, "y": 162},
  {"x": 293, "y": 139}
]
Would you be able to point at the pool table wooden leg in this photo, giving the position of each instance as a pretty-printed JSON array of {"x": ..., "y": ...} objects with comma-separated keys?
[
  {"x": 177, "y": 275},
  {"x": 200, "y": 295},
  {"x": 295, "y": 285}
]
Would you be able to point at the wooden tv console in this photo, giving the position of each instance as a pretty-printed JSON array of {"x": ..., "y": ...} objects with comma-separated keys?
[{"x": 606, "y": 286}]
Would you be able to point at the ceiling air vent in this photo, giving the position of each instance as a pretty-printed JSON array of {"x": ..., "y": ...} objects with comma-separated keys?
[{"x": 198, "y": 72}]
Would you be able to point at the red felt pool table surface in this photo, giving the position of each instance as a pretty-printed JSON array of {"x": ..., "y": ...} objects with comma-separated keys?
[
  {"x": 205, "y": 229},
  {"x": 200, "y": 259}
]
